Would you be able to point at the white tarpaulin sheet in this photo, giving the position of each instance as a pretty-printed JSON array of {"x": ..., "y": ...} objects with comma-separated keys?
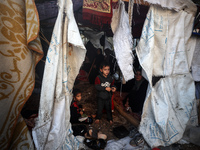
[
  {"x": 196, "y": 61},
  {"x": 176, "y": 5},
  {"x": 166, "y": 49},
  {"x": 122, "y": 41},
  {"x": 108, "y": 43},
  {"x": 65, "y": 56}
]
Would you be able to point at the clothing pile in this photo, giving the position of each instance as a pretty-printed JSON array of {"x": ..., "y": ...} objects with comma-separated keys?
[{"x": 132, "y": 141}]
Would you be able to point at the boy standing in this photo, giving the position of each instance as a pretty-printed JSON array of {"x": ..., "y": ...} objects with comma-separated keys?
[{"x": 104, "y": 84}]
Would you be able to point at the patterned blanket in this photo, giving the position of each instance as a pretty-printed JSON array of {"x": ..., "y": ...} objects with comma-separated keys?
[
  {"x": 20, "y": 50},
  {"x": 98, "y": 12}
]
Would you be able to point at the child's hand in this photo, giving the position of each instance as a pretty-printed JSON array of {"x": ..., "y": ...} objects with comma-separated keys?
[
  {"x": 108, "y": 89},
  {"x": 82, "y": 109},
  {"x": 113, "y": 89},
  {"x": 81, "y": 112}
]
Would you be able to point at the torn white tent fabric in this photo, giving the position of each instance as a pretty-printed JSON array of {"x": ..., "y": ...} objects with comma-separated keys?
[
  {"x": 130, "y": 11},
  {"x": 165, "y": 49},
  {"x": 94, "y": 38},
  {"x": 65, "y": 56},
  {"x": 122, "y": 41},
  {"x": 196, "y": 61},
  {"x": 176, "y": 5},
  {"x": 108, "y": 43}
]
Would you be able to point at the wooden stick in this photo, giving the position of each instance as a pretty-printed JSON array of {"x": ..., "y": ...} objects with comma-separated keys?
[
  {"x": 130, "y": 118},
  {"x": 141, "y": 2},
  {"x": 91, "y": 67}
]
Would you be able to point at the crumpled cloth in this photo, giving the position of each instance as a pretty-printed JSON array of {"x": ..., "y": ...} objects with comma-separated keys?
[
  {"x": 121, "y": 144},
  {"x": 122, "y": 41}
]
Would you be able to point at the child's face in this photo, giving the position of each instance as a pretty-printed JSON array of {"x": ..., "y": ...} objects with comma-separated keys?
[
  {"x": 78, "y": 97},
  {"x": 138, "y": 76},
  {"x": 105, "y": 70},
  {"x": 127, "y": 104}
]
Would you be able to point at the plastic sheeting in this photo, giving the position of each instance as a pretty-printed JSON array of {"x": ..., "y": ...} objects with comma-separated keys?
[
  {"x": 108, "y": 43},
  {"x": 94, "y": 38},
  {"x": 65, "y": 56},
  {"x": 166, "y": 49},
  {"x": 122, "y": 41},
  {"x": 121, "y": 144},
  {"x": 176, "y": 5},
  {"x": 196, "y": 61}
]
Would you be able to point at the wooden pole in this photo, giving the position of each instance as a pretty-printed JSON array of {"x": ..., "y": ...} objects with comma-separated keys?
[
  {"x": 141, "y": 2},
  {"x": 130, "y": 118},
  {"x": 91, "y": 68}
]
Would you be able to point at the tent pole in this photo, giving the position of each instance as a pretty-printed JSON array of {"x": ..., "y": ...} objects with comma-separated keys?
[
  {"x": 130, "y": 118},
  {"x": 91, "y": 68}
]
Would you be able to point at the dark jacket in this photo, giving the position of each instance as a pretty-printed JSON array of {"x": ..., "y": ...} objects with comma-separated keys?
[
  {"x": 101, "y": 83},
  {"x": 137, "y": 96},
  {"x": 75, "y": 112}
]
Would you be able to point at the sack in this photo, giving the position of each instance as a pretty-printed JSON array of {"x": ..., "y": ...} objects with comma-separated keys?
[
  {"x": 120, "y": 132},
  {"x": 79, "y": 130}
]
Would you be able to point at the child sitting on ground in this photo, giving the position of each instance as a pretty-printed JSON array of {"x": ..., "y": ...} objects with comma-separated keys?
[
  {"x": 76, "y": 111},
  {"x": 104, "y": 84}
]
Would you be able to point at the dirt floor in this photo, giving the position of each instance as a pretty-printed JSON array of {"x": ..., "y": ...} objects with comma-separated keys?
[{"x": 89, "y": 102}]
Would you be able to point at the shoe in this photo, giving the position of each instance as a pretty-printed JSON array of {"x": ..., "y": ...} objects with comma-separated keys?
[
  {"x": 97, "y": 121},
  {"x": 138, "y": 140},
  {"x": 91, "y": 143},
  {"x": 82, "y": 119},
  {"x": 93, "y": 133},
  {"x": 96, "y": 144},
  {"x": 102, "y": 136},
  {"x": 132, "y": 143},
  {"x": 102, "y": 143}
]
